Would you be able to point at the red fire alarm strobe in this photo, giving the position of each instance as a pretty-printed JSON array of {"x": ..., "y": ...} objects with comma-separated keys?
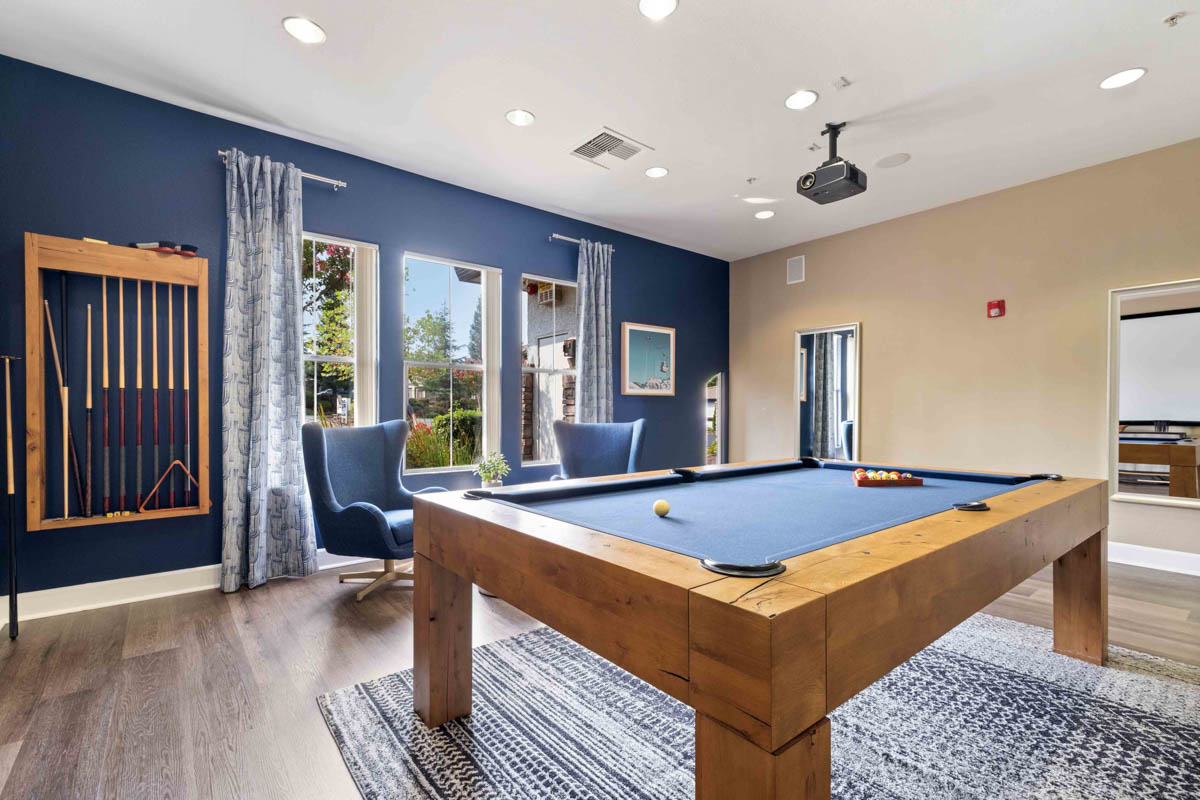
[{"x": 995, "y": 308}]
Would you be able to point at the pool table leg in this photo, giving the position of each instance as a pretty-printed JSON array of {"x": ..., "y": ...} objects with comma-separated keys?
[
  {"x": 731, "y": 767},
  {"x": 441, "y": 643},
  {"x": 1081, "y": 600}
]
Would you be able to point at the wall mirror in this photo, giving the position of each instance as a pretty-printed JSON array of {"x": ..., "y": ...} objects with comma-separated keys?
[
  {"x": 1154, "y": 394},
  {"x": 826, "y": 398}
]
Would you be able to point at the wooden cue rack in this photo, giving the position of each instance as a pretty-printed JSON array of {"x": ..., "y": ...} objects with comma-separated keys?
[{"x": 103, "y": 260}]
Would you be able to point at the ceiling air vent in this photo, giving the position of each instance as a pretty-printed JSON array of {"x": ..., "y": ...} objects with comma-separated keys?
[
  {"x": 609, "y": 148},
  {"x": 795, "y": 269}
]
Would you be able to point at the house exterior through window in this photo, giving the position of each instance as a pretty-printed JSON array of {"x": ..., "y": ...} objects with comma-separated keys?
[
  {"x": 339, "y": 330},
  {"x": 549, "y": 332},
  {"x": 451, "y": 368}
]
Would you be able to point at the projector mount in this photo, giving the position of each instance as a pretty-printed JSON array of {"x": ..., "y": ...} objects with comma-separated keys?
[{"x": 832, "y": 130}]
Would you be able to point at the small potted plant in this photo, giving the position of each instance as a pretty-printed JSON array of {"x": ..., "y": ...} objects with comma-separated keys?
[{"x": 491, "y": 470}]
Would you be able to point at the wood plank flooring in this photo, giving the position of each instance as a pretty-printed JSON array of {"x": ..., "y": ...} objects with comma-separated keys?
[{"x": 208, "y": 695}]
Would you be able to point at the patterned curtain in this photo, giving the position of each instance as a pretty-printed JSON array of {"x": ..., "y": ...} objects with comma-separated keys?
[
  {"x": 825, "y": 421},
  {"x": 267, "y": 518},
  {"x": 594, "y": 392}
]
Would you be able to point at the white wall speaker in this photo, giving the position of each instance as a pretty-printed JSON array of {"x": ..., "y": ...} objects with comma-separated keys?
[{"x": 795, "y": 269}]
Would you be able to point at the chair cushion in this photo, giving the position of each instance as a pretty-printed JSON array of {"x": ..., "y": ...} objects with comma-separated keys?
[{"x": 400, "y": 522}]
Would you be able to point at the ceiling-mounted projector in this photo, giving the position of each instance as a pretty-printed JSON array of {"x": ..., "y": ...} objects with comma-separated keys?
[{"x": 834, "y": 180}]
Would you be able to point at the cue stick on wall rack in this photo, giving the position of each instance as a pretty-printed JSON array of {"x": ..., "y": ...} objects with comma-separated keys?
[
  {"x": 66, "y": 420},
  {"x": 187, "y": 407},
  {"x": 64, "y": 304},
  {"x": 12, "y": 499},
  {"x": 137, "y": 484},
  {"x": 104, "y": 390},
  {"x": 154, "y": 373},
  {"x": 88, "y": 413},
  {"x": 170, "y": 394},
  {"x": 121, "y": 393}
]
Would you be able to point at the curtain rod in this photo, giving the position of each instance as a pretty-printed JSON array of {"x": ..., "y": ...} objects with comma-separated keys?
[
  {"x": 224, "y": 154},
  {"x": 562, "y": 238}
]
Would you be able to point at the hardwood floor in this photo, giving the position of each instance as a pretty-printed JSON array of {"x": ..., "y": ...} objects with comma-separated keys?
[{"x": 213, "y": 696}]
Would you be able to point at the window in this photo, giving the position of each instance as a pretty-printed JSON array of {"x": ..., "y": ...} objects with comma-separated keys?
[
  {"x": 451, "y": 362},
  {"x": 549, "y": 330},
  {"x": 340, "y": 322}
]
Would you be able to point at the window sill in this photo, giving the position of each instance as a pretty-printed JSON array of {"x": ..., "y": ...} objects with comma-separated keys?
[
  {"x": 438, "y": 470},
  {"x": 540, "y": 464}
]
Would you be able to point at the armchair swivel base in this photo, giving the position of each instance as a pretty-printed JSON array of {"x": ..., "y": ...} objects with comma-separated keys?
[{"x": 379, "y": 577}]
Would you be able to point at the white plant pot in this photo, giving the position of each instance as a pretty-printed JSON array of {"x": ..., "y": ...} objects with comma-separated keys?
[{"x": 492, "y": 484}]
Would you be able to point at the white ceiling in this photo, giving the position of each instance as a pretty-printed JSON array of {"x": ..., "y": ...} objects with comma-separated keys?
[{"x": 984, "y": 95}]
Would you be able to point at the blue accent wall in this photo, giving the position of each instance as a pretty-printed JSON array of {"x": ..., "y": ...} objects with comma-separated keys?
[{"x": 83, "y": 159}]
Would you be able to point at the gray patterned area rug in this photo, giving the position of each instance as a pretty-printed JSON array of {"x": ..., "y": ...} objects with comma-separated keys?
[{"x": 988, "y": 712}]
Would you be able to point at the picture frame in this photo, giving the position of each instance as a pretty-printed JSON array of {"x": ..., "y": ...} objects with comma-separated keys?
[
  {"x": 802, "y": 372},
  {"x": 647, "y": 360}
]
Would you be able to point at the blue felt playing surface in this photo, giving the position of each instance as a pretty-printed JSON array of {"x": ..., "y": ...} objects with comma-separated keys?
[{"x": 757, "y": 517}]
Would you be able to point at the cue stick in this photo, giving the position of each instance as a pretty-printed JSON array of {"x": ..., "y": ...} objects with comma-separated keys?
[
  {"x": 88, "y": 413},
  {"x": 12, "y": 501},
  {"x": 62, "y": 282},
  {"x": 187, "y": 406},
  {"x": 137, "y": 483},
  {"x": 104, "y": 387},
  {"x": 154, "y": 372},
  {"x": 121, "y": 391},
  {"x": 170, "y": 391},
  {"x": 63, "y": 402}
]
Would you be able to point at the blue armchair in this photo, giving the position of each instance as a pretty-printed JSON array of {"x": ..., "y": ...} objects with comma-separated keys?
[
  {"x": 361, "y": 507},
  {"x": 606, "y": 448}
]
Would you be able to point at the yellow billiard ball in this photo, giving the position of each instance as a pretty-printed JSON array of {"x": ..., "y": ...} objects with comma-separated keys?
[{"x": 662, "y": 507}]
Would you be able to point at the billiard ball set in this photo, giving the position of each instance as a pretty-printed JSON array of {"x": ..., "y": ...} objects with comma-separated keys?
[{"x": 883, "y": 477}]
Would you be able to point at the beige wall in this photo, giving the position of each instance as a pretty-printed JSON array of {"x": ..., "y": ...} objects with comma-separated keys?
[{"x": 941, "y": 383}]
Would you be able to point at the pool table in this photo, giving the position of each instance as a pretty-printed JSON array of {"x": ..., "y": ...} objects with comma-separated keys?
[
  {"x": 770, "y": 594},
  {"x": 1181, "y": 456}
]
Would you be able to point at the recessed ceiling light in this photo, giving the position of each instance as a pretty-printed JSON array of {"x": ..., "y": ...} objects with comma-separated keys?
[
  {"x": 520, "y": 117},
  {"x": 1122, "y": 78},
  {"x": 304, "y": 30},
  {"x": 759, "y": 201},
  {"x": 801, "y": 99},
  {"x": 764, "y": 214},
  {"x": 657, "y": 9},
  {"x": 894, "y": 160},
  {"x": 657, "y": 172}
]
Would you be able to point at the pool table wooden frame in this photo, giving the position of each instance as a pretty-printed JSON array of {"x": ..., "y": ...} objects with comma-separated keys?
[{"x": 761, "y": 660}]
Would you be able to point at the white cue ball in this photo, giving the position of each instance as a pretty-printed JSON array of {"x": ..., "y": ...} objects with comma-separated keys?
[{"x": 662, "y": 507}]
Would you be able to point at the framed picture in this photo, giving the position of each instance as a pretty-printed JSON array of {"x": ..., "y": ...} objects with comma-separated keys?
[
  {"x": 647, "y": 359},
  {"x": 802, "y": 373}
]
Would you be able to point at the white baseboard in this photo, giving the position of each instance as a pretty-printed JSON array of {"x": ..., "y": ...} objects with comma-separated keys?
[
  {"x": 1154, "y": 558},
  {"x": 86, "y": 596}
]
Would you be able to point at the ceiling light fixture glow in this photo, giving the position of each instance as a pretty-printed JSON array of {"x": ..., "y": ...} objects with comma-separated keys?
[
  {"x": 1122, "y": 78},
  {"x": 657, "y": 9},
  {"x": 657, "y": 172},
  {"x": 520, "y": 117},
  {"x": 759, "y": 201},
  {"x": 764, "y": 214},
  {"x": 304, "y": 30},
  {"x": 894, "y": 160},
  {"x": 801, "y": 99}
]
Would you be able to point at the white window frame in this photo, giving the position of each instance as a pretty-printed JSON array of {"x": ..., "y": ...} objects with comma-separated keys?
[
  {"x": 490, "y": 281},
  {"x": 366, "y": 330},
  {"x": 546, "y": 462}
]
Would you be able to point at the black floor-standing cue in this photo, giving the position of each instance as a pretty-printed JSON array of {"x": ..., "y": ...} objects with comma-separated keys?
[
  {"x": 137, "y": 486},
  {"x": 12, "y": 500},
  {"x": 121, "y": 393}
]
